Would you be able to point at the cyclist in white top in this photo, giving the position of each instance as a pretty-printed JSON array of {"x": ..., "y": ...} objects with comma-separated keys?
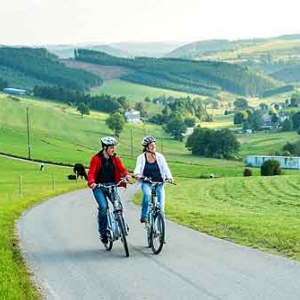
[{"x": 154, "y": 165}]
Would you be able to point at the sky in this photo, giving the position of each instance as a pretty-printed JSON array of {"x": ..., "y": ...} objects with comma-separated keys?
[{"x": 41, "y": 22}]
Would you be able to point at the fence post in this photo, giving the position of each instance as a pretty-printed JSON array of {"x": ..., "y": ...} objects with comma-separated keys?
[
  {"x": 53, "y": 182},
  {"x": 20, "y": 186}
]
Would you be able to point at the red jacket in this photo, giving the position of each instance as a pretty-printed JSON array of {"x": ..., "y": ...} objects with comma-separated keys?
[{"x": 95, "y": 165}]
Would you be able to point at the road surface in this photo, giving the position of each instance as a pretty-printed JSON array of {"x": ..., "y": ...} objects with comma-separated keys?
[{"x": 60, "y": 242}]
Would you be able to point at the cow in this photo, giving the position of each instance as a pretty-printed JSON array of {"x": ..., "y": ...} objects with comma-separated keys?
[{"x": 79, "y": 170}]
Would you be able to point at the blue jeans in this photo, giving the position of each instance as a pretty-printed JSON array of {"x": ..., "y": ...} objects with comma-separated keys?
[
  {"x": 160, "y": 193},
  {"x": 102, "y": 210}
]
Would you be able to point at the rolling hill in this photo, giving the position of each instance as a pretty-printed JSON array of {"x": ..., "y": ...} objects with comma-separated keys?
[
  {"x": 268, "y": 55},
  {"x": 198, "y": 77}
]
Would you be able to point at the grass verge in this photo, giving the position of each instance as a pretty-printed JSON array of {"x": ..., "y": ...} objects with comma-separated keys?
[{"x": 22, "y": 185}]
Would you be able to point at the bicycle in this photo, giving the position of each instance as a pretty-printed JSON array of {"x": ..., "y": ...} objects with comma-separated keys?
[
  {"x": 117, "y": 227},
  {"x": 155, "y": 225}
]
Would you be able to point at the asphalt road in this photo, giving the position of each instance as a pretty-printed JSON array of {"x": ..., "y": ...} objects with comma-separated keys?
[{"x": 60, "y": 242}]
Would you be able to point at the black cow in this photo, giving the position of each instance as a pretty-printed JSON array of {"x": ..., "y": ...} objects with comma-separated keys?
[{"x": 79, "y": 170}]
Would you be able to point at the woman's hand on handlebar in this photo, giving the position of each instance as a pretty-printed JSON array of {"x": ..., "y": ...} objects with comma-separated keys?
[{"x": 138, "y": 176}]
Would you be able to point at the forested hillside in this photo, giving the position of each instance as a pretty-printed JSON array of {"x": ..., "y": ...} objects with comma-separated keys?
[
  {"x": 278, "y": 55},
  {"x": 199, "y": 77},
  {"x": 27, "y": 67},
  {"x": 291, "y": 74}
]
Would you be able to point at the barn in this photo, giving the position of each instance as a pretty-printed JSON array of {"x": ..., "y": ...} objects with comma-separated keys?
[{"x": 14, "y": 91}]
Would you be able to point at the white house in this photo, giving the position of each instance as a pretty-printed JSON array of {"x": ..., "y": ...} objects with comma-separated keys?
[
  {"x": 286, "y": 162},
  {"x": 133, "y": 116}
]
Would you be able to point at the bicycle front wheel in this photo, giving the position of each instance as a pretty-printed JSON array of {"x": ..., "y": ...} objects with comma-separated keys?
[
  {"x": 122, "y": 229},
  {"x": 157, "y": 234}
]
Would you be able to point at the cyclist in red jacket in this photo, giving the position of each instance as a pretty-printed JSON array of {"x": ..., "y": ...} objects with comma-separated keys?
[{"x": 105, "y": 167}]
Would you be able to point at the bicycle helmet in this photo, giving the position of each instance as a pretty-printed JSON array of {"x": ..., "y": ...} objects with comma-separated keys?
[
  {"x": 148, "y": 140},
  {"x": 108, "y": 141}
]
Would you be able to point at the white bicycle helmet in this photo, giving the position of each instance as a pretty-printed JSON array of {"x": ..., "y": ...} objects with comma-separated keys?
[
  {"x": 108, "y": 141},
  {"x": 148, "y": 140}
]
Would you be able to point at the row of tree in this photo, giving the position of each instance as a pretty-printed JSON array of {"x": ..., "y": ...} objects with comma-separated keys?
[
  {"x": 3, "y": 84},
  {"x": 104, "y": 103}
]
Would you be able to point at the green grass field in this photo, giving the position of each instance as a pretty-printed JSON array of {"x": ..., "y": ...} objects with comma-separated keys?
[
  {"x": 260, "y": 212},
  {"x": 135, "y": 92},
  {"x": 57, "y": 130},
  {"x": 21, "y": 186}
]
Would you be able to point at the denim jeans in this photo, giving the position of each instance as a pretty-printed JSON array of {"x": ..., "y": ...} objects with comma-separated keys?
[
  {"x": 160, "y": 193},
  {"x": 102, "y": 210}
]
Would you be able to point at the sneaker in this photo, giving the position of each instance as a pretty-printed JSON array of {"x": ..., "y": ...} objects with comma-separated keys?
[
  {"x": 143, "y": 219},
  {"x": 104, "y": 239}
]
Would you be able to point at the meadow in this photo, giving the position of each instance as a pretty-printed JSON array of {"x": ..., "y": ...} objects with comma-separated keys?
[
  {"x": 260, "y": 212},
  {"x": 56, "y": 130},
  {"x": 135, "y": 92}
]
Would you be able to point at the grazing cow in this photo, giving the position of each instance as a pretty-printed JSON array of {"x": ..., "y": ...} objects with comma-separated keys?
[{"x": 79, "y": 170}]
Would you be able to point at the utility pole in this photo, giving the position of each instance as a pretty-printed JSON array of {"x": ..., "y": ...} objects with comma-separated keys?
[
  {"x": 28, "y": 133},
  {"x": 131, "y": 143}
]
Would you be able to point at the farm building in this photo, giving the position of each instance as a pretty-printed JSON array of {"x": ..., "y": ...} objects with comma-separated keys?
[
  {"x": 14, "y": 91},
  {"x": 286, "y": 162},
  {"x": 133, "y": 116}
]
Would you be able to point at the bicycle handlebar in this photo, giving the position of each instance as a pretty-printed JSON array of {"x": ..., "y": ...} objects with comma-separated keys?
[
  {"x": 111, "y": 184},
  {"x": 149, "y": 179}
]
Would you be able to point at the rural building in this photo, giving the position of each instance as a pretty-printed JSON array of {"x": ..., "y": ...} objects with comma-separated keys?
[
  {"x": 14, "y": 91},
  {"x": 133, "y": 116},
  {"x": 286, "y": 162}
]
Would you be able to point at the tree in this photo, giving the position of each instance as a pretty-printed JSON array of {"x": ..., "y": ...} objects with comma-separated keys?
[
  {"x": 256, "y": 120},
  {"x": 3, "y": 84},
  {"x": 295, "y": 100},
  {"x": 176, "y": 127},
  {"x": 142, "y": 108},
  {"x": 296, "y": 120},
  {"x": 189, "y": 121},
  {"x": 287, "y": 124},
  {"x": 116, "y": 123},
  {"x": 212, "y": 143},
  {"x": 240, "y": 103},
  {"x": 83, "y": 109}
]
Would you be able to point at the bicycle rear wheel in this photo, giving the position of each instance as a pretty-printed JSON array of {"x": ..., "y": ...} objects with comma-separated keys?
[
  {"x": 157, "y": 234},
  {"x": 122, "y": 229}
]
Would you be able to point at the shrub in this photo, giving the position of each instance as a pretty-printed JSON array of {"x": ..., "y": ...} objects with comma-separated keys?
[
  {"x": 270, "y": 167},
  {"x": 247, "y": 172}
]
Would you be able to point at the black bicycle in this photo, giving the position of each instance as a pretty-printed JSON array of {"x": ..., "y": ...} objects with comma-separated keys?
[
  {"x": 117, "y": 227},
  {"x": 155, "y": 225}
]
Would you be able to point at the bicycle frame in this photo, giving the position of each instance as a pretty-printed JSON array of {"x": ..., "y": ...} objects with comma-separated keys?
[
  {"x": 116, "y": 224},
  {"x": 155, "y": 225}
]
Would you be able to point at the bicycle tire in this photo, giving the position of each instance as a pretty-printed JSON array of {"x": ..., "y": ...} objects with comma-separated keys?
[
  {"x": 108, "y": 246},
  {"x": 157, "y": 233},
  {"x": 148, "y": 230},
  {"x": 121, "y": 225}
]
